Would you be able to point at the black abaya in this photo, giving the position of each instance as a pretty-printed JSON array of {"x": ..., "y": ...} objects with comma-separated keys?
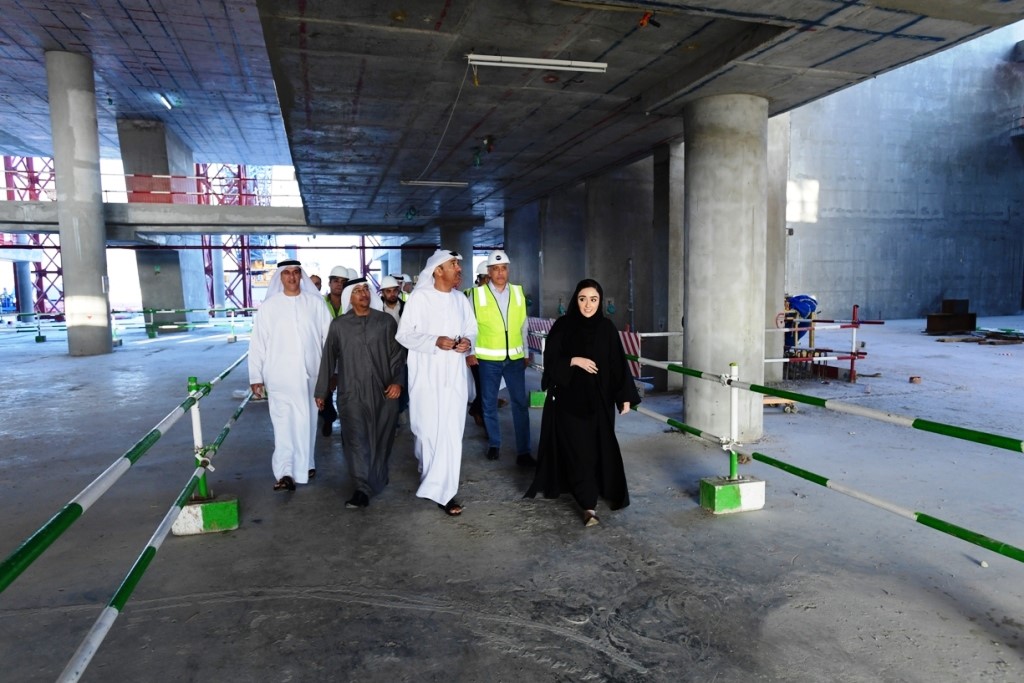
[{"x": 578, "y": 451}]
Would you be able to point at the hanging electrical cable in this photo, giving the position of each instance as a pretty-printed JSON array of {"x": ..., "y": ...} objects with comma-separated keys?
[{"x": 446, "y": 125}]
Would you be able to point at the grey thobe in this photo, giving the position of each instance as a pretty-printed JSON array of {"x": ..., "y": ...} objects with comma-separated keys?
[{"x": 363, "y": 352}]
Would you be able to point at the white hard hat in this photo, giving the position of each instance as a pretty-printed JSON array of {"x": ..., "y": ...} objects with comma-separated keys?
[
  {"x": 340, "y": 271},
  {"x": 352, "y": 273},
  {"x": 398, "y": 276},
  {"x": 497, "y": 258},
  {"x": 406, "y": 278},
  {"x": 482, "y": 268},
  {"x": 388, "y": 281}
]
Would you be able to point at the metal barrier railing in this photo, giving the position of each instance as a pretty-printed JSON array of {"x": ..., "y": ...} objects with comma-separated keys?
[
  {"x": 996, "y": 440},
  {"x": 18, "y": 561},
  {"x": 735, "y": 449},
  {"x": 153, "y": 327},
  {"x": 92, "y": 641}
]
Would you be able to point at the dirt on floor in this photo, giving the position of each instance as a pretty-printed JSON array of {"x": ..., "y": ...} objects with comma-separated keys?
[{"x": 817, "y": 586}]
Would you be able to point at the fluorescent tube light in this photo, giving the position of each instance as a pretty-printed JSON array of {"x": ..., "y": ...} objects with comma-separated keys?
[
  {"x": 164, "y": 101},
  {"x": 435, "y": 183},
  {"x": 531, "y": 63}
]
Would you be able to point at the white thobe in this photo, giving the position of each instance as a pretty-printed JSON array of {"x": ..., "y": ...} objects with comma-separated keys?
[
  {"x": 437, "y": 386},
  {"x": 284, "y": 355}
]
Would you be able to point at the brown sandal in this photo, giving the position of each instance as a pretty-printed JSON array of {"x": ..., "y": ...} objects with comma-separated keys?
[{"x": 285, "y": 483}]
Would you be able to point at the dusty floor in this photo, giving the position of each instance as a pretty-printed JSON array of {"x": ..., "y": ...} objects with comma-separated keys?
[{"x": 816, "y": 586}]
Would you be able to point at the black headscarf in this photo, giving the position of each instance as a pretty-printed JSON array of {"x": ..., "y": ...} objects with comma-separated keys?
[
  {"x": 592, "y": 338},
  {"x": 580, "y": 333},
  {"x": 574, "y": 309}
]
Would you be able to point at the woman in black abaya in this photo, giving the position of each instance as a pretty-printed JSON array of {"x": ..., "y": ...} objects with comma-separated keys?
[{"x": 586, "y": 377}]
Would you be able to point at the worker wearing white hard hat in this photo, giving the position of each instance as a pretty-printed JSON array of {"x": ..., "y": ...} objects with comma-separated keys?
[
  {"x": 501, "y": 351},
  {"x": 408, "y": 284},
  {"x": 336, "y": 281},
  {"x": 483, "y": 276},
  {"x": 392, "y": 304}
]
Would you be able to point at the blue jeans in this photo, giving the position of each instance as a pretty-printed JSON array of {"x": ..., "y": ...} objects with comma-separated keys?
[{"x": 514, "y": 372}]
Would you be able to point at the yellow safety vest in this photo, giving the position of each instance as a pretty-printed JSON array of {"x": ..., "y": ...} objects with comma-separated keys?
[
  {"x": 330, "y": 307},
  {"x": 497, "y": 338}
]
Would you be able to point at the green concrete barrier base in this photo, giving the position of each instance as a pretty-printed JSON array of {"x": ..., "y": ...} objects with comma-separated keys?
[
  {"x": 40, "y": 338},
  {"x": 722, "y": 495},
  {"x": 207, "y": 516},
  {"x": 537, "y": 399}
]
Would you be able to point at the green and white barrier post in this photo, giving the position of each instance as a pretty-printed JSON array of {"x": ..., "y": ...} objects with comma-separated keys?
[{"x": 734, "y": 493}]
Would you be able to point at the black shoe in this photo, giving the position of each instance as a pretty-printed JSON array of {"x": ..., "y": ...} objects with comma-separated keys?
[
  {"x": 526, "y": 460},
  {"x": 358, "y": 500},
  {"x": 492, "y": 453}
]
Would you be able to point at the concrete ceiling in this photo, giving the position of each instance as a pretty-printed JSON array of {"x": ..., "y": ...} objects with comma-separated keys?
[{"x": 361, "y": 94}]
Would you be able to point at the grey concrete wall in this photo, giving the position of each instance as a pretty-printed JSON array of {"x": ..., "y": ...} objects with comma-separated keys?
[
  {"x": 620, "y": 229},
  {"x": 906, "y": 190},
  {"x": 522, "y": 244},
  {"x": 562, "y": 260}
]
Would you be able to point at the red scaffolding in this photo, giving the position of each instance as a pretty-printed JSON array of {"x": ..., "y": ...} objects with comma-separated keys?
[{"x": 31, "y": 179}]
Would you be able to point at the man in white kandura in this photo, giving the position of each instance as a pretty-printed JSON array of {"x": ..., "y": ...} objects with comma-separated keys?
[
  {"x": 439, "y": 329},
  {"x": 288, "y": 336}
]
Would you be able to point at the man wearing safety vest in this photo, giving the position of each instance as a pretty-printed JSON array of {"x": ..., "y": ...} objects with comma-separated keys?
[{"x": 501, "y": 352}]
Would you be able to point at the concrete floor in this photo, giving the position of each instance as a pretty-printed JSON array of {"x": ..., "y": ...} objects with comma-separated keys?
[{"x": 816, "y": 586}]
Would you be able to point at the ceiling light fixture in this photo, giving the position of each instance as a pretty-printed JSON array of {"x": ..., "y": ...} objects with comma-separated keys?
[
  {"x": 435, "y": 183},
  {"x": 164, "y": 101},
  {"x": 532, "y": 63}
]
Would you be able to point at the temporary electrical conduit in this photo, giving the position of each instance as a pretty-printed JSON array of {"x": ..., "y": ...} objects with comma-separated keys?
[
  {"x": 37, "y": 543},
  {"x": 945, "y": 527},
  {"x": 85, "y": 652}
]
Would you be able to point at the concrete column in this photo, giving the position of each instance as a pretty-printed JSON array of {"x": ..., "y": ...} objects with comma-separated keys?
[
  {"x": 522, "y": 244},
  {"x": 725, "y": 225},
  {"x": 24, "y": 292},
  {"x": 220, "y": 298},
  {"x": 775, "y": 286},
  {"x": 668, "y": 263},
  {"x": 563, "y": 256},
  {"x": 167, "y": 279},
  {"x": 412, "y": 261},
  {"x": 76, "y": 161},
  {"x": 458, "y": 236}
]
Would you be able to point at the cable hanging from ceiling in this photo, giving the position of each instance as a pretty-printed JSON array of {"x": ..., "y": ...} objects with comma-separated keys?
[{"x": 418, "y": 180}]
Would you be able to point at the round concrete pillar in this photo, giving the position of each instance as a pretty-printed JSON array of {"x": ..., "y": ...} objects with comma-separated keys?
[
  {"x": 76, "y": 161},
  {"x": 23, "y": 289},
  {"x": 725, "y": 269}
]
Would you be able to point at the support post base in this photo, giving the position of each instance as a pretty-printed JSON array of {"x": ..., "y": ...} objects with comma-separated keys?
[
  {"x": 207, "y": 516},
  {"x": 722, "y": 495}
]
